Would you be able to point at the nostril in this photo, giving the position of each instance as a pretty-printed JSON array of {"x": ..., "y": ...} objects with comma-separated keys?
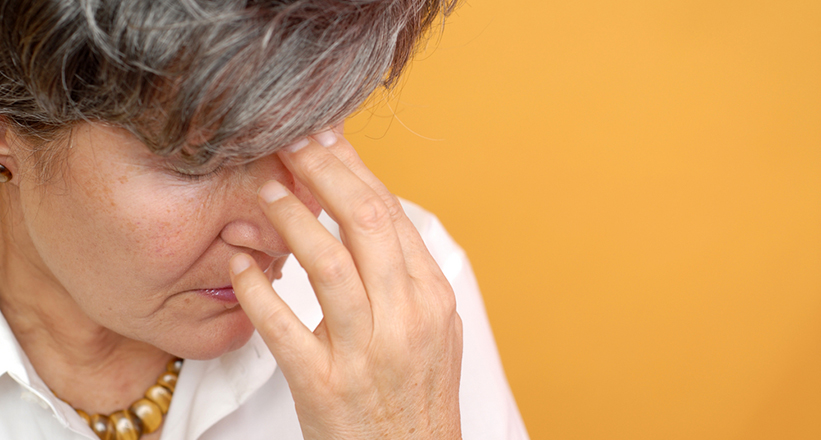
[
  {"x": 253, "y": 233},
  {"x": 241, "y": 233}
]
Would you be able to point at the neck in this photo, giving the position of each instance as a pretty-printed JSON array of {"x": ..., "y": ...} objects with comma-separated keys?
[{"x": 85, "y": 364}]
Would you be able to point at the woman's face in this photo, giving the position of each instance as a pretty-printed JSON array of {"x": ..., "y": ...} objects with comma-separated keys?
[{"x": 137, "y": 246}]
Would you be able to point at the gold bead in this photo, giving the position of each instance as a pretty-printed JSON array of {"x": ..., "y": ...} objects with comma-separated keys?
[
  {"x": 102, "y": 426},
  {"x": 174, "y": 365},
  {"x": 85, "y": 416},
  {"x": 149, "y": 414},
  {"x": 168, "y": 380},
  {"x": 159, "y": 395},
  {"x": 126, "y": 425}
]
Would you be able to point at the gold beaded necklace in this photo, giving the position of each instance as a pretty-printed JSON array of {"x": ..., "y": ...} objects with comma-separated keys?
[{"x": 143, "y": 416}]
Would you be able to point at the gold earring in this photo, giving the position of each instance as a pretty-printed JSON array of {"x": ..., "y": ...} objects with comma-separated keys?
[{"x": 5, "y": 174}]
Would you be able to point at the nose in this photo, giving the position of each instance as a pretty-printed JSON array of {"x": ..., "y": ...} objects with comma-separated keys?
[{"x": 245, "y": 225}]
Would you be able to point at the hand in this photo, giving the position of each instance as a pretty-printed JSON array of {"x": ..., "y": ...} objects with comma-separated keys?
[{"x": 385, "y": 360}]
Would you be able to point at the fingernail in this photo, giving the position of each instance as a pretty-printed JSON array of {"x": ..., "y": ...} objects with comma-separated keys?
[
  {"x": 298, "y": 145},
  {"x": 326, "y": 138},
  {"x": 272, "y": 191},
  {"x": 239, "y": 263}
]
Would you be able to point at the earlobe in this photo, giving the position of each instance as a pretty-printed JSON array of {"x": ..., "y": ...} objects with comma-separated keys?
[
  {"x": 8, "y": 165},
  {"x": 5, "y": 174}
]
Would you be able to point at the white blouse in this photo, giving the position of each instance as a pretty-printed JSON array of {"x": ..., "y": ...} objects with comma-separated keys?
[{"x": 243, "y": 395}]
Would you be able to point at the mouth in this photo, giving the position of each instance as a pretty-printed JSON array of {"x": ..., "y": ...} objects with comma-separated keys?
[{"x": 226, "y": 294}]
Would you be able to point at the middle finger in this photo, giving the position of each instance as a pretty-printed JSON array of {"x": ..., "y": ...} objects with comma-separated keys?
[{"x": 364, "y": 220}]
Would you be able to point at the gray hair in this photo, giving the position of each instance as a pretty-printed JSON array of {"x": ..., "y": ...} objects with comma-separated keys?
[{"x": 201, "y": 78}]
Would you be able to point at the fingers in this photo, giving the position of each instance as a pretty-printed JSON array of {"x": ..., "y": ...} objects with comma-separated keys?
[
  {"x": 364, "y": 363},
  {"x": 418, "y": 261},
  {"x": 325, "y": 138},
  {"x": 364, "y": 220},
  {"x": 329, "y": 265},
  {"x": 291, "y": 343},
  {"x": 351, "y": 160}
]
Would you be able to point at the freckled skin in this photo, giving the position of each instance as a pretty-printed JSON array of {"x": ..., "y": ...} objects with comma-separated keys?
[{"x": 129, "y": 241}]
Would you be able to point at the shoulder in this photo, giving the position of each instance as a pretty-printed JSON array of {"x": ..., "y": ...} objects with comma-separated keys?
[{"x": 444, "y": 249}]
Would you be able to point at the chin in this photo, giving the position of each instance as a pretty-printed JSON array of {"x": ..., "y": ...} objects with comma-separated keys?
[{"x": 224, "y": 334}]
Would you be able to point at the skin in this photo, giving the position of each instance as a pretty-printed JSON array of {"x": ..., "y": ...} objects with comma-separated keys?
[{"x": 102, "y": 263}]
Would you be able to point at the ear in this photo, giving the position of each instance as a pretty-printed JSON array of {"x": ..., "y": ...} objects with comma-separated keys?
[{"x": 7, "y": 139}]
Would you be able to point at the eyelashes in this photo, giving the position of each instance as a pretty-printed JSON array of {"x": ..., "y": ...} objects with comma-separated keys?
[{"x": 196, "y": 175}]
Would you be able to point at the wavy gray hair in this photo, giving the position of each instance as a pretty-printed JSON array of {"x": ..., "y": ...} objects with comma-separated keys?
[{"x": 201, "y": 78}]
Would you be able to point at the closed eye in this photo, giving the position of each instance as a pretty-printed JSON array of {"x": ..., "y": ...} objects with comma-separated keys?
[{"x": 198, "y": 174}]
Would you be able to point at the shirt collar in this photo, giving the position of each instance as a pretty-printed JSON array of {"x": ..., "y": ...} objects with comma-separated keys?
[
  {"x": 15, "y": 363},
  {"x": 11, "y": 355}
]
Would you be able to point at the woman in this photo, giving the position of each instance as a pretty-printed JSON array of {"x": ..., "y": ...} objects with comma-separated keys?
[{"x": 157, "y": 175}]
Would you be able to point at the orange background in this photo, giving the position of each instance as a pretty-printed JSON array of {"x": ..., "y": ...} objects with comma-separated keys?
[{"x": 638, "y": 185}]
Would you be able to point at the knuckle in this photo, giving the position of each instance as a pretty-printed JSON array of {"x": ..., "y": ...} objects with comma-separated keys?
[
  {"x": 457, "y": 326},
  {"x": 316, "y": 165},
  {"x": 442, "y": 310},
  {"x": 448, "y": 306},
  {"x": 333, "y": 265},
  {"x": 371, "y": 214},
  {"x": 420, "y": 322},
  {"x": 394, "y": 206},
  {"x": 276, "y": 323},
  {"x": 347, "y": 154}
]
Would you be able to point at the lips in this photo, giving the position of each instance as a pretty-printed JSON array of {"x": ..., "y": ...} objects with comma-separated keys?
[
  {"x": 226, "y": 294},
  {"x": 223, "y": 294}
]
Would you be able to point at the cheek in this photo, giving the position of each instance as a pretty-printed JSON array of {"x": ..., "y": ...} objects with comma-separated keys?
[
  {"x": 145, "y": 237},
  {"x": 162, "y": 231},
  {"x": 114, "y": 250},
  {"x": 167, "y": 229}
]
